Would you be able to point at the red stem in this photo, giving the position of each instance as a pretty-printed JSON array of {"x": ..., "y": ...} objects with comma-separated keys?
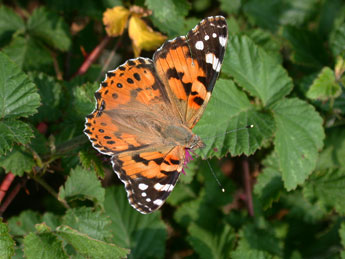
[
  {"x": 10, "y": 197},
  {"x": 5, "y": 185},
  {"x": 248, "y": 187},
  {"x": 92, "y": 57}
]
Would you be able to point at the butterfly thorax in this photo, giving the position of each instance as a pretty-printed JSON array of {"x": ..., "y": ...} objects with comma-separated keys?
[{"x": 182, "y": 136}]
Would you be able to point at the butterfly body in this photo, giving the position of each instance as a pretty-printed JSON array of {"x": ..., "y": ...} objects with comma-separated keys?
[{"x": 146, "y": 110}]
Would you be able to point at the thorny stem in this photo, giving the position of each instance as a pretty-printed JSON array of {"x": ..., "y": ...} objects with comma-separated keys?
[
  {"x": 10, "y": 197},
  {"x": 92, "y": 57},
  {"x": 5, "y": 185},
  {"x": 248, "y": 187}
]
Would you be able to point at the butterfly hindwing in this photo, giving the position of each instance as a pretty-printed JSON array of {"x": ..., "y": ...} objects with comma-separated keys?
[{"x": 149, "y": 177}]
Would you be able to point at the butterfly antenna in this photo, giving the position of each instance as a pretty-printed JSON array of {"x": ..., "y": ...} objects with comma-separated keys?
[
  {"x": 215, "y": 177},
  {"x": 229, "y": 131}
]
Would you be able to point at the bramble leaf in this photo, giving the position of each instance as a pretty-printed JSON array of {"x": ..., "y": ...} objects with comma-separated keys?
[
  {"x": 88, "y": 221},
  {"x": 222, "y": 127},
  {"x": 256, "y": 71},
  {"x": 18, "y": 95},
  {"x": 269, "y": 183},
  {"x": 24, "y": 52},
  {"x": 50, "y": 28},
  {"x": 131, "y": 228},
  {"x": 10, "y": 22},
  {"x": 324, "y": 86},
  {"x": 211, "y": 244},
  {"x": 298, "y": 138},
  {"x": 169, "y": 15},
  {"x": 6, "y": 242},
  {"x": 328, "y": 186},
  {"x": 17, "y": 161},
  {"x": 44, "y": 245},
  {"x": 82, "y": 184},
  {"x": 89, "y": 247}
]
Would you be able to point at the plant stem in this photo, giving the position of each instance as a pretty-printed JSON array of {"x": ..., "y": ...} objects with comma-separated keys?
[
  {"x": 248, "y": 187},
  {"x": 49, "y": 189}
]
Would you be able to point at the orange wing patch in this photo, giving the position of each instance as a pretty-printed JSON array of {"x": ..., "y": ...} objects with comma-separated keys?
[
  {"x": 184, "y": 77},
  {"x": 124, "y": 100}
]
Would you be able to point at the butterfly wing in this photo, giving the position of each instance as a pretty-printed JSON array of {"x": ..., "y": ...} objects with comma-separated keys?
[
  {"x": 131, "y": 115},
  {"x": 149, "y": 177},
  {"x": 189, "y": 66},
  {"x": 131, "y": 108}
]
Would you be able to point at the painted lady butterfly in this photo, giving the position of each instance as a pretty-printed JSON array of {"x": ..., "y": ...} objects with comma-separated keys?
[{"x": 146, "y": 110}]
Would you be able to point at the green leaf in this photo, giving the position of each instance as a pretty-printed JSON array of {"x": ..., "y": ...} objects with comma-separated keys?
[
  {"x": 50, "y": 28},
  {"x": 13, "y": 131},
  {"x": 6, "y": 242},
  {"x": 332, "y": 155},
  {"x": 337, "y": 40},
  {"x": 18, "y": 95},
  {"x": 90, "y": 160},
  {"x": 182, "y": 192},
  {"x": 145, "y": 235},
  {"x": 214, "y": 195},
  {"x": 269, "y": 183},
  {"x": 222, "y": 127},
  {"x": 230, "y": 7},
  {"x": 307, "y": 46},
  {"x": 89, "y": 247},
  {"x": 88, "y": 221},
  {"x": 324, "y": 86},
  {"x": 24, "y": 52},
  {"x": 328, "y": 186},
  {"x": 43, "y": 245},
  {"x": 82, "y": 184},
  {"x": 329, "y": 11},
  {"x": 211, "y": 244},
  {"x": 17, "y": 161},
  {"x": 84, "y": 100},
  {"x": 298, "y": 138},
  {"x": 169, "y": 15},
  {"x": 50, "y": 92},
  {"x": 267, "y": 41},
  {"x": 24, "y": 223},
  {"x": 302, "y": 209},
  {"x": 198, "y": 210},
  {"x": 51, "y": 220},
  {"x": 256, "y": 71},
  {"x": 342, "y": 234},
  {"x": 256, "y": 243},
  {"x": 270, "y": 14},
  {"x": 10, "y": 22}
]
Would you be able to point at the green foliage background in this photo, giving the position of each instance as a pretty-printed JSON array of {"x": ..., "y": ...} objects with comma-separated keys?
[{"x": 282, "y": 72}]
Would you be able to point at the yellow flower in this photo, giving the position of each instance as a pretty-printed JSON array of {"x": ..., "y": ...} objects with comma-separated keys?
[{"x": 142, "y": 35}]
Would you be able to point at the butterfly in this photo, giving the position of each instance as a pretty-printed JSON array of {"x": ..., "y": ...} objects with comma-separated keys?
[{"x": 146, "y": 110}]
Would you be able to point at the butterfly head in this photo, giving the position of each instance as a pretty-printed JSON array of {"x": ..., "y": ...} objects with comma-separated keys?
[{"x": 195, "y": 143}]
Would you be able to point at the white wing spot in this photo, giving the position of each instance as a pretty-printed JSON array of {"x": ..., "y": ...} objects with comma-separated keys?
[
  {"x": 158, "y": 186},
  {"x": 212, "y": 59},
  {"x": 148, "y": 199},
  {"x": 222, "y": 41},
  {"x": 199, "y": 45},
  {"x": 143, "y": 194},
  {"x": 158, "y": 202},
  {"x": 143, "y": 186},
  {"x": 207, "y": 37},
  {"x": 214, "y": 35}
]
